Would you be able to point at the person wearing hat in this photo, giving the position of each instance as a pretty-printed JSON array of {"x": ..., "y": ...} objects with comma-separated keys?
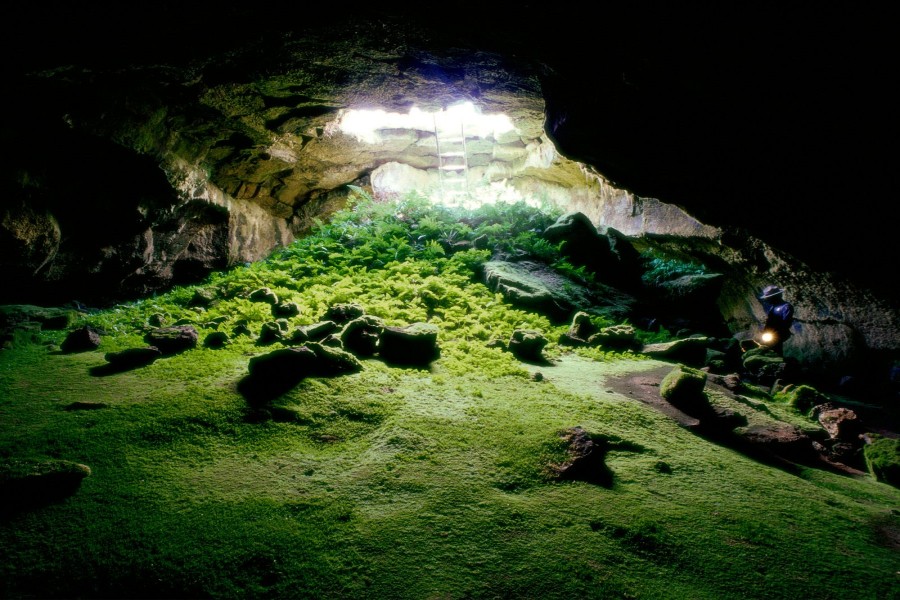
[{"x": 779, "y": 317}]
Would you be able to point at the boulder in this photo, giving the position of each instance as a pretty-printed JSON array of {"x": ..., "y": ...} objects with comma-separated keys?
[
  {"x": 81, "y": 340},
  {"x": 285, "y": 309},
  {"x": 801, "y": 397},
  {"x": 49, "y": 318},
  {"x": 344, "y": 313},
  {"x": 286, "y": 363},
  {"x": 690, "y": 350},
  {"x": 313, "y": 333},
  {"x": 764, "y": 364},
  {"x": 526, "y": 285},
  {"x": 615, "y": 337},
  {"x": 414, "y": 344},
  {"x": 841, "y": 423},
  {"x": 264, "y": 295},
  {"x": 28, "y": 483},
  {"x": 692, "y": 301},
  {"x": 683, "y": 388},
  {"x": 537, "y": 287},
  {"x": 132, "y": 358},
  {"x": 580, "y": 330},
  {"x": 586, "y": 460},
  {"x": 581, "y": 242},
  {"x": 270, "y": 333},
  {"x": 172, "y": 340},
  {"x": 214, "y": 323},
  {"x": 361, "y": 335},
  {"x": 882, "y": 457},
  {"x": 332, "y": 361},
  {"x": 275, "y": 373},
  {"x": 216, "y": 339},
  {"x": 202, "y": 297},
  {"x": 627, "y": 265},
  {"x": 241, "y": 328},
  {"x": 780, "y": 440},
  {"x": 527, "y": 345}
]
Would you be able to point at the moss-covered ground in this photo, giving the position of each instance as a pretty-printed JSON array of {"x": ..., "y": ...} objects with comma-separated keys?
[{"x": 408, "y": 483}]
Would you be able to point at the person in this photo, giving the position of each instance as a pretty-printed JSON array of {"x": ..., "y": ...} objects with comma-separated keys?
[{"x": 779, "y": 317}]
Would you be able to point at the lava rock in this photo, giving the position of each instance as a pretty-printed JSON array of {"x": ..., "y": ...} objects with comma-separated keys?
[
  {"x": 172, "y": 340},
  {"x": 81, "y": 340}
]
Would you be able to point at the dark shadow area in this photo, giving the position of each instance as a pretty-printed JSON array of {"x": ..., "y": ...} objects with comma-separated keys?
[
  {"x": 32, "y": 493},
  {"x": 260, "y": 390},
  {"x": 539, "y": 362},
  {"x": 112, "y": 369},
  {"x": 406, "y": 366}
]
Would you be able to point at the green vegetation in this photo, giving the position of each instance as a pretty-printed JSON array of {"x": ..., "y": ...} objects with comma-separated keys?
[
  {"x": 405, "y": 482},
  {"x": 661, "y": 267}
]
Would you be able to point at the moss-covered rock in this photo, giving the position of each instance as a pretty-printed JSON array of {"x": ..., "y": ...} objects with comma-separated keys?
[
  {"x": 690, "y": 350},
  {"x": 361, "y": 335},
  {"x": 216, "y": 339},
  {"x": 264, "y": 295},
  {"x": 81, "y": 340},
  {"x": 581, "y": 328},
  {"x": 285, "y": 309},
  {"x": 332, "y": 361},
  {"x": 414, "y": 344},
  {"x": 683, "y": 388},
  {"x": 527, "y": 345},
  {"x": 801, "y": 397},
  {"x": 615, "y": 337},
  {"x": 763, "y": 364},
  {"x": 172, "y": 340},
  {"x": 203, "y": 297},
  {"x": 313, "y": 333},
  {"x": 13, "y": 315},
  {"x": 28, "y": 483},
  {"x": 269, "y": 333},
  {"x": 344, "y": 312},
  {"x": 132, "y": 358},
  {"x": 883, "y": 460}
]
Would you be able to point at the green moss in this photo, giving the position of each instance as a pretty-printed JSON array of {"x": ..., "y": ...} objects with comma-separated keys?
[
  {"x": 883, "y": 460},
  {"x": 401, "y": 482},
  {"x": 801, "y": 397}
]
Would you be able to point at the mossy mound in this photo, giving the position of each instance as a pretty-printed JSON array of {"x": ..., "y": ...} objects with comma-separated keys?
[{"x": 883, "y": 460}]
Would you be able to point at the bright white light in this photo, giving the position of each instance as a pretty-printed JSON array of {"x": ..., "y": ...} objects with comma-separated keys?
[
  {"x": 449, "y": 128},
  {"x": 366, "y": 124}
]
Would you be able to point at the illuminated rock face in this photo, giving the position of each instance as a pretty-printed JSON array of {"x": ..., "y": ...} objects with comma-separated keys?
[{"x": 194, "y": 168}]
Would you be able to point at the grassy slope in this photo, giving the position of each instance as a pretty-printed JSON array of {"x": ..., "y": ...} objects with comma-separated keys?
[{"x": 403, "y": 483}]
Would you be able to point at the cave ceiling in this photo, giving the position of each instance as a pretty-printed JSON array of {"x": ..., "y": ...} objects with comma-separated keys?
[{"x": 768, "y": 123}]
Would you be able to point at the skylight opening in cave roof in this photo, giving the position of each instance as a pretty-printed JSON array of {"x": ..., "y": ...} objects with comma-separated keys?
[
  {"x": 365, "y": 124},
  {"x": 460, "y": 134}
]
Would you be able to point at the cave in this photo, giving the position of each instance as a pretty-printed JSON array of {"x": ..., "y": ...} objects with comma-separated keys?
[{"x": 253, "y": 275}]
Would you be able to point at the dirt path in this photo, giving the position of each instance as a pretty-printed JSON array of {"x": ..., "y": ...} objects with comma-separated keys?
[{"x": 632, "y": 379}]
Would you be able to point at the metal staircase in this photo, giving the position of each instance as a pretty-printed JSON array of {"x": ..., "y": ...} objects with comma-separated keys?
[{"x": 453, "y": 159}]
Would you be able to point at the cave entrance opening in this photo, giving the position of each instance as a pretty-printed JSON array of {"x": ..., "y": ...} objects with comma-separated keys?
[{"x": 456, "y": 156}]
